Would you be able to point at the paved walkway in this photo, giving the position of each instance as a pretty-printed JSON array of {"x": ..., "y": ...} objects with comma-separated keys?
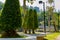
[
  {"x": 58, "y": 38},
  {"x": 40, "y": 34},
  {"x": 34, "y": 35}
]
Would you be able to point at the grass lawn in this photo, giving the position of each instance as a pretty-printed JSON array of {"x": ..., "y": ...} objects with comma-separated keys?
[{"x": 52, "y": 36}]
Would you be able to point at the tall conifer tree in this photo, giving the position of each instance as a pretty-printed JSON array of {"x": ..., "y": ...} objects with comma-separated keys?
[{"x": 11, "y": 18}]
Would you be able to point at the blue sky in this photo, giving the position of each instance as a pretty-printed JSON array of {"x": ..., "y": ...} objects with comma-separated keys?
[{"x": 57, "y": 4}]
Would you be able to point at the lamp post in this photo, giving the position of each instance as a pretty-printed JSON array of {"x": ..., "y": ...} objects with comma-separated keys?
[{"x": 44, "y": 14}]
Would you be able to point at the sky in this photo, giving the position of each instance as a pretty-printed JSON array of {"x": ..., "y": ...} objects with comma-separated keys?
[{"x": 57, "y": 4}]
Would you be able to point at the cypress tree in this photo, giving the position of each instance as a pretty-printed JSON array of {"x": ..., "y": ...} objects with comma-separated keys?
[
  {"x": 25, "y": 22},
  {"x": 11, "y": 18},
  {"x": 30, "y": 20},
  {"x": 35, "y": 21}
]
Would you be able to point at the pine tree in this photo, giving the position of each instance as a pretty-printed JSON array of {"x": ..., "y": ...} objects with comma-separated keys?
[{"x": 11, "y": 18}]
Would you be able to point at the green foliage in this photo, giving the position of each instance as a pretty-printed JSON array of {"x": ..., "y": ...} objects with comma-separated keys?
[
  {"x": 41, "y": 18},
  {"x": 55, "y": 18},
  {"x": 0, "y": 12},
  {"x": 35, "y": 20},
  {"x": 11, "y": 16},
  {"x": 32, "y": 19},
  {"x": 17, "y": 36},
  {"x": 0, "y": 24},
  {"x": 25, "y": 20}
]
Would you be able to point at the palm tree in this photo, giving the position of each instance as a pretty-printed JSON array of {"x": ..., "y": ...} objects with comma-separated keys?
[{"x": 50, "y": 11}]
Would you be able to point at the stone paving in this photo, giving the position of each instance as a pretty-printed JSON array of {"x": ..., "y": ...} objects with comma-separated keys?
[{"x": 40, "y": 34}]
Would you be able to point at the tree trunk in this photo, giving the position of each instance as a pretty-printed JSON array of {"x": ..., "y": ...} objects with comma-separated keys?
[
  {"x": 55, "y": 28},
  {"x": 29, "y": 31},
  {"x": 33, "y": 31},
  {"x": 49, "y": 14},
  {"x": 25, "y": 31}
]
